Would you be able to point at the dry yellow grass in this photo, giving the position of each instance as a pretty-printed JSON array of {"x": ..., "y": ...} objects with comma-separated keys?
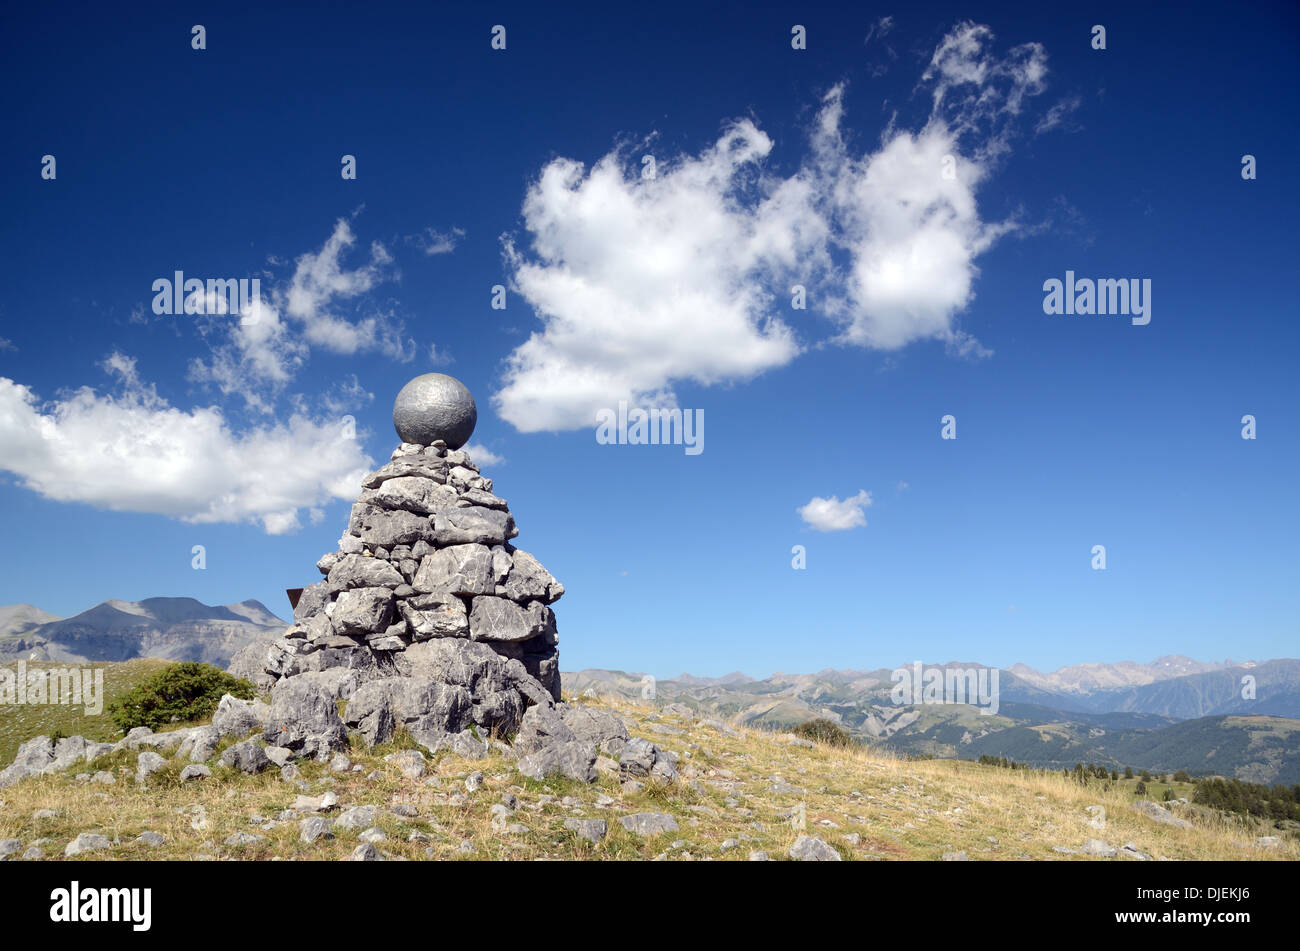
[{"x": 898, "y": 809}]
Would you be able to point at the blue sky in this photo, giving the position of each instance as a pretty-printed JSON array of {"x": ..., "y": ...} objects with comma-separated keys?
[{"x": 128, "y": 437}]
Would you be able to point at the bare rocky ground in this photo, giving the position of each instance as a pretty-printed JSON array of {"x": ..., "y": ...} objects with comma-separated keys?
[{"x": 677, "y": 788}]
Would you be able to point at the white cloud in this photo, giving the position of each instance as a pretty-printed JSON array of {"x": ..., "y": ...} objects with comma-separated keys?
[
  {"x": 641, "y": 284},
  {"x": 482, "y": 455},
  {"x": 133, "y": 452},
  {"x": 6, "y": 344},
  {"x": 832, "y": 515},
  {"x": 911, "y": 233}
]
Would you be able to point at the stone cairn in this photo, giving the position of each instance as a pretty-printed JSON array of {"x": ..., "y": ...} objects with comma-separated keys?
[
  {"x": 427, "y": 619},
  {"x": 425, "y": 584}
]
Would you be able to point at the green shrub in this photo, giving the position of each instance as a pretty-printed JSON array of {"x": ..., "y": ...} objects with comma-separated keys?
[
  {"x": 825, "y": 731},
  {"x": 179, "y": 693}
]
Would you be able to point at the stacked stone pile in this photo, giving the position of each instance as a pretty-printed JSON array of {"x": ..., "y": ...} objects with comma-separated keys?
[{"x": 427, "y": 616}]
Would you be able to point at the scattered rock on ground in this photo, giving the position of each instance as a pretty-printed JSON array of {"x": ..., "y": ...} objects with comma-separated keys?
[{"x": 809, "y": 848}]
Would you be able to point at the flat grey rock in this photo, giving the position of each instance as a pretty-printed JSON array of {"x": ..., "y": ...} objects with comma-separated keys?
[
  {"x": 1098, "y": 848},
  {"x": 459, "y": 569},
  {"x": 241, "y": 840},
  {"x": 246, "y": 756},
  {"x": 358, "y": 571},
  {"x": 1153, "y": 810},
  {"x": 410, "y": 763},
  {"x": 147, "y": 764},
  {"x": 359, "y": 611},
  {"x": 472, "y": 525},
  {"x": 809, "y": 848},
  {"x": 234, "y": 718},
  {"x": 86, "y": 842},
  {"x": 649, "y": 823},
  {"x": 574, "y": 759},
  {"x": 314, "y": 828},
  {"x": 593, "y": 830},
  {"x": 358, "y": 817}
]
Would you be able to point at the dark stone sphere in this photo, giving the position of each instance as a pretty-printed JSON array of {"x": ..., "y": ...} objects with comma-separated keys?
[{"x": 435, "y": 406}]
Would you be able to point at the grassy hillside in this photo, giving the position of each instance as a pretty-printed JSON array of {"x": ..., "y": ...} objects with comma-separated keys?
[
  {"x": 19, "y": 723},
  {"x": 738, "y": 792}
]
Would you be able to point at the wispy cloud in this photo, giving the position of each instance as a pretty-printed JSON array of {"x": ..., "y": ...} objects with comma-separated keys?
[
  {"x": 875, "y": 42},
  {"x": 256, "y": 356},
  {"x": 320, "y": 280},
  {"x": 1059, "y": 114},
  {"x": 345, "y": 396},
  {"x": 432, "y": 241}
]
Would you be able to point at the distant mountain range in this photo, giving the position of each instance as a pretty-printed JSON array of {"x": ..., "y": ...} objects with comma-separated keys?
[
  {"x": 1174, "y": 713},
  {"x": 170, "y": 628}
]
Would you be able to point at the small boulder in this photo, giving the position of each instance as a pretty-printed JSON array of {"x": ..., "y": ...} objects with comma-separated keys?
[
  {"x": 147, "y": 764},
  {"x": 1153, "y": 810},
  {"x": 86, "y": 842},
  {"x": 593, "y": 830},
  {"x": 1098, "y": 848},
  {"x": 313, "y": 828},
  {"x": 809, "y": 848},
  {"x": 358, "y": 817},
  {"x": 409, "y": 762},
  {"x": 246, "y": 756},
  {"x": 235, "y": 718}
]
